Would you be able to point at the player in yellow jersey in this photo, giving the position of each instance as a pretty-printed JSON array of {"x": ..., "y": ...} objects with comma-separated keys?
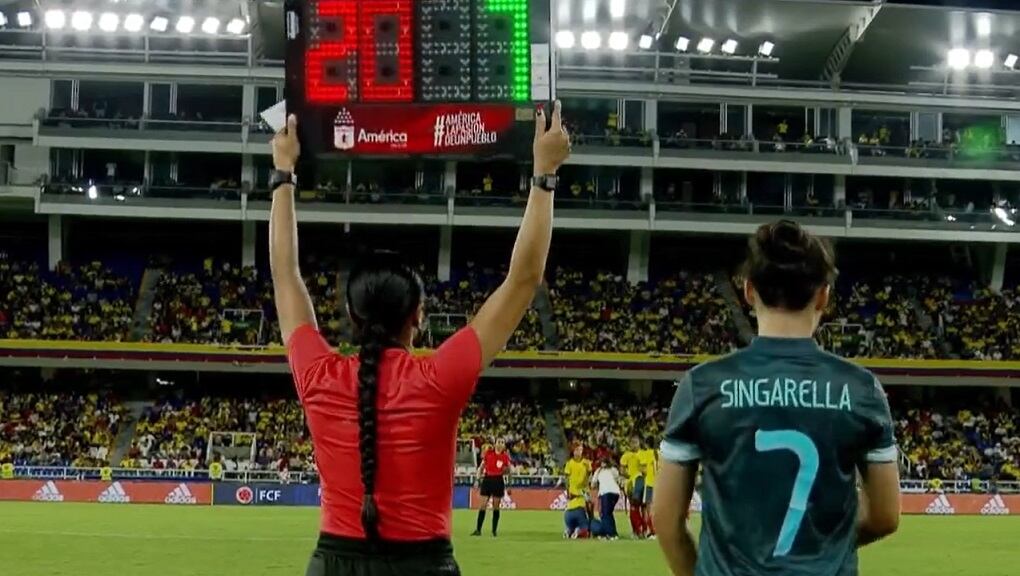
[
  {"x": 648, "y": 458},
  {"x": 631, "y": 464},
  {"x": 577, "y": 472}
]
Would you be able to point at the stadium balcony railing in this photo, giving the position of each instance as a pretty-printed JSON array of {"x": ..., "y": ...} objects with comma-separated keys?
[
  {"x": 40, "y": 43},
  {"x": 104, "y": 125},
  {"x": 910, "y": 486}
]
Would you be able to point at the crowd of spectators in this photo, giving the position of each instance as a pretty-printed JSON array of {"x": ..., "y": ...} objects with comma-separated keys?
[
  {"x": 603, "y": 312},
  {"x": 606, "y": 424},
  {"x": 519, "y": 422},
  {"x": 220, "y": 304},
  {"x": 974, "y": 322},
  {"x": 100, "y": 114},
  {"x": 49, "y": 429},
  {"x": 880, "y": 318},
  {"x": 175, "y": 434},
  {"x": 975, "y": 442},
  {"x": 71, "y": 302},
  {"x": 450, "y": 305}
]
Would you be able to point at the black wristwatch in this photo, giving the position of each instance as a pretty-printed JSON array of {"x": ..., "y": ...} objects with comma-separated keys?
[
  {"x": 278, "y": 178},
  {"x": 547, "y": 182}
]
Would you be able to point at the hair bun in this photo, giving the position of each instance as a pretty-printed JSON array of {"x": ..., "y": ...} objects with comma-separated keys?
[{"x": 785, "y": 243}]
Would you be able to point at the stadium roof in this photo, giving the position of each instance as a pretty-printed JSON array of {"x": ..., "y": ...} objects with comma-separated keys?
[{"x": 891, "y": 43}]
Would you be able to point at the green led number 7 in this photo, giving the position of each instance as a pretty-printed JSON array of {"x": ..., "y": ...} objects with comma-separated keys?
[
  {"x": 801, "y": 445},
  {"x": 520, "y": 50}
]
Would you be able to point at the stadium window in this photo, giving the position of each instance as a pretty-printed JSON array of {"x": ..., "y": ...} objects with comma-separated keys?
[
  {"x": 113, "y": 167},
  {"x": 111, "y": 100},
  {"x": 265, "y": 97},
  {"x": 61, "y": 99},
  {"x": 694, "y": 120},
  {"x": 159, "y": 101},
  {"x": 205, "y": 103}
]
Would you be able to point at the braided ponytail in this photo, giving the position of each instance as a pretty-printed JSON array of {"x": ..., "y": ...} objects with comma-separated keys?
[
  {"x": 373, "y": 341},
  {"x": 383, "y": 299}
]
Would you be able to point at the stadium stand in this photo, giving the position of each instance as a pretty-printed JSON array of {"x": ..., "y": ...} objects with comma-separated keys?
[
  {"x": 175, "y": 433},
  {"x": 58, "y": 429},
  {"x": 606, "y": 423},
  {"x": 72, "y": 302},
  {"x": 603, "y": 312},
  {"x": 519, "y": 422},
  {"x": 959, "y": 442},
  {"x": 220, "y": 304}
]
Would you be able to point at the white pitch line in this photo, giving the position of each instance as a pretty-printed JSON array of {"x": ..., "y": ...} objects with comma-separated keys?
[{"x": 137, "y": 536}]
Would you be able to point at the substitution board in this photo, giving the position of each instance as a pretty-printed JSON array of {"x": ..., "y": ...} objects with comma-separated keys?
[{"x": 429, "y": 77}]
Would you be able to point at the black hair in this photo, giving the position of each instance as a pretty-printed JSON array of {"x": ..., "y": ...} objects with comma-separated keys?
[
  {"x": 787, "y": 265},
  {"x": 382, "y": 295}
]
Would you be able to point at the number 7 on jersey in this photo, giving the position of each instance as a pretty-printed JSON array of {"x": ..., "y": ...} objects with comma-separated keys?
[{"x": 801, "y": 445}]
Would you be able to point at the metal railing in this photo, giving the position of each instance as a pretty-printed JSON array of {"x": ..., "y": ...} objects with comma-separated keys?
[
  {"x": 144, "y": 46},
  {"x": 142, "y": 123},
  {"x": 726, "y": 144}
]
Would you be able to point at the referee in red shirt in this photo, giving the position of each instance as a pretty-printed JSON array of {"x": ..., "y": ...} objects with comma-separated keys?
[
  {"x": 492, "y": 473},
  {"x": 384, "y": 423}
]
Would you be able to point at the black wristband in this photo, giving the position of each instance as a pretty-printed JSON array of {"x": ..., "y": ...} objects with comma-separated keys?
[
  {"x": 278, "y": 178},
  {"x": 547, "y": 182}
]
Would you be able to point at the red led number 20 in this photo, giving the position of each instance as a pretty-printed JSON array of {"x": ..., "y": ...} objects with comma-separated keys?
[{"x": 372, "y": 43}]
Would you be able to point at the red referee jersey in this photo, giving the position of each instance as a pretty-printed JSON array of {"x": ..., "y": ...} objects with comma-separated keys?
[
  {"x": 496, "y": 463},
  {"x": 419, "y": 403}
]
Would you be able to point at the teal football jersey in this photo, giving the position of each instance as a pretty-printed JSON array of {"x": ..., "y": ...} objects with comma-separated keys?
[{"x": 780, "y": 429}]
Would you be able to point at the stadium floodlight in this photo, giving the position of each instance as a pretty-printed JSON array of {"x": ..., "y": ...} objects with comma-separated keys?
[
  {"x": 984, "y": 59},
  {"x": 55, "y": 19},
  {"x": 682, "y": 43},
  {"x": 134, "y": 22},
  {"x": 958, "y": 58},
  {"x": 93, "y": 192},
  {"x": 729, "y": 46},
  {"x": 766, "y": 48},
  {"x": 81, "y": 20},
  {"x": 211, "y": 25},
  {"x": 565, "y": 39},
  {"x": 236, "y": 26},
  {"x": 108, "y": 22},
  {"x": 591, "y": 40},
  {"x": 984, "y": 25},
  {"x": 645, "y": 42},
  {"x": 1010, "y": 61},
  {"x": 24, "y": 19},
  {"x": 617, "y": 8},
  {"x": 618, "y": 41},
  {"x": 185, "y": 24},
  {"x": 705, "y": 45},
  {"x": 159, "y": 24}
]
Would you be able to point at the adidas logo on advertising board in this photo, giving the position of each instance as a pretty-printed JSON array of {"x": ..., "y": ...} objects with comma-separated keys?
[
  {"x": 48, "y": 493},
  {"x": 114, "y": 494},
  {"x": 995, "y": 506},
  {"x": 507, "y": 503},
  {"x": 940, "y": 505},
  {"x": 180, "y": 495}
]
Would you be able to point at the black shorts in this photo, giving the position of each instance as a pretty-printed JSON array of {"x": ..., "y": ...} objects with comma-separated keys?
[
  {"x": 337, "y": 556},
  {"x": 494, "y": 487}
]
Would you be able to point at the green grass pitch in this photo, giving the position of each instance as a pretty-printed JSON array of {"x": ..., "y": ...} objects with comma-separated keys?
[{"x": 39, "y": 539}]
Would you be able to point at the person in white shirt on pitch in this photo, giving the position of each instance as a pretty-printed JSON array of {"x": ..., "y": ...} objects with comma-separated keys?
[{"x": 607, "y": 480}]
